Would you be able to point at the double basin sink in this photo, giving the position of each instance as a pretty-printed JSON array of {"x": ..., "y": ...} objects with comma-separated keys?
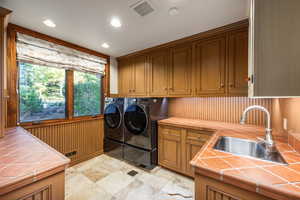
[{"x": 248, "y": 148}]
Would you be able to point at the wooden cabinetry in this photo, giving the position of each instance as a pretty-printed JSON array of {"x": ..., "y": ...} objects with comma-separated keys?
[
  {"x": 4, "y": 13},
  {"x": 170, "y": 148},
  {"x": 210, "y": 66},
  {"x": 211, "y": 189},
  {"x": 125, "y": 75},
  {"x": 139, "y": 76},
  {"x": 180, "y": 71},
  {"x": 50, "y": 188},
  {"x": 133, "y": 76},
  {"x": 238, "y": 62},
  {"x": 158, "y": 73},
  {"x": 178, "y": 146}
]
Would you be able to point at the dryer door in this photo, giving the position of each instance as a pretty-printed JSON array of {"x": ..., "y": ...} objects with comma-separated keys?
[
  {"x": 136, "y": 122},
  {"x": 112, "y": 116}
]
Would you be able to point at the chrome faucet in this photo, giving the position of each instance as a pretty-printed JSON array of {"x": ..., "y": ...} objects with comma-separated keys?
[{"x": 268, "y": 137}]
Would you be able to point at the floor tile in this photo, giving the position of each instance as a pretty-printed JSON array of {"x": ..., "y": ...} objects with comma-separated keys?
[{"x": 106, "y": 178}]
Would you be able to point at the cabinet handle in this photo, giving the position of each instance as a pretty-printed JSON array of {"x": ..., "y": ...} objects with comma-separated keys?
[
  {"x": 231, "y": 85},
  {"x": 166, "y": 88},
  {"x": 129, "y": 91},
  {"x": 222, "y": 85}
]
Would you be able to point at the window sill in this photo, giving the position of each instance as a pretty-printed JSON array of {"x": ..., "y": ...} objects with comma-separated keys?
[{"x": 60, "y": 121}]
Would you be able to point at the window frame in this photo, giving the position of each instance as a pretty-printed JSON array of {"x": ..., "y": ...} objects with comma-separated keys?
[{"x": 12, "y": 108}]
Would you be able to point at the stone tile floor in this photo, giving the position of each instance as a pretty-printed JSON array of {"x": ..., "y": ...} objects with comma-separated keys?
[{"x": 106, "y": 178}]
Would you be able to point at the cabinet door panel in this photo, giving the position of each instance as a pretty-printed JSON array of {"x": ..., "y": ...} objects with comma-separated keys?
[
  {"x": 192, "y": 148},
  {"x": 139, "y": 76},
  {"x": 125, "y": 77},
  {"x": 238, "y": 63},
  {"x": 180, "y": 70},
  {"x": 169, "y": 149},
  {"x": 210, "y": 66},
  {"x": 158, "y": 83}
]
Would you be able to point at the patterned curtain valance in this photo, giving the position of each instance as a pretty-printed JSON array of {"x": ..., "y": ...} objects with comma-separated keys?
[{"x": 41, "y": 52}]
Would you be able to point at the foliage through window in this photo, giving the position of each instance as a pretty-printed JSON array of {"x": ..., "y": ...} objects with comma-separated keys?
[
  {"x": 42, "y": 92},
  {"x": 87, "y": 94}
]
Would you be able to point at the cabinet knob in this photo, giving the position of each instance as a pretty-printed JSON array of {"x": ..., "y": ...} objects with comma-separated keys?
[
  {"x": 231, "y": 85},
  {"x": 222, "y": 85},
  {"x": 166, "y": 88}
]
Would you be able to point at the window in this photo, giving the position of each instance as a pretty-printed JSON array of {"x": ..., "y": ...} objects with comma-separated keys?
[
  {"x": 42, "y": 92},
  {"x": 87, "y": 94},
  {"x": 55, "y": 82}
]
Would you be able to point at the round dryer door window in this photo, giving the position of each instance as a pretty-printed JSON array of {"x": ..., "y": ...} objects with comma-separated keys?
[
  {"x": 112, "y": 116},
  {"x": 135, "y": 119}
]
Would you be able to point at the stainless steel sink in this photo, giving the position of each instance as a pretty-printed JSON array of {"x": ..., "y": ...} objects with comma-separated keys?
[{"x": 250, "y": 148}]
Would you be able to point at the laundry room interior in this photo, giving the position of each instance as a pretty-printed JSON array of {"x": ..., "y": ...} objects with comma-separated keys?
[{"x": 149, "y": 100}]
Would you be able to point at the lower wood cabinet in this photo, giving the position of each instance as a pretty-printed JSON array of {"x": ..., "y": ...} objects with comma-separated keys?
[
  {"x": 50, "y": 188},
  {"x": 211, "y": 189},
  {"x": 178, "y": 146}
]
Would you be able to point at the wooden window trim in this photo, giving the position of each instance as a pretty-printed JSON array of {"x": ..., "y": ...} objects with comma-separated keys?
[{"x": 13, "y": 101}]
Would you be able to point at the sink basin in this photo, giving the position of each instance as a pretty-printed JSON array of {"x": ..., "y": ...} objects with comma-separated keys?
[{"x": 250, "y": 148}]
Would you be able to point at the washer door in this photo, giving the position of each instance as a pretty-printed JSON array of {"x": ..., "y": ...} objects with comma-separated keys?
[
  {"x": 112, "y": 116},
  {"x": 135, "y": 119}
]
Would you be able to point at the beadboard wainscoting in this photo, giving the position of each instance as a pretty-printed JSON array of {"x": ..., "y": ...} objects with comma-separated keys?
[
  {"x": 83, "y": 137},
  {"x": 225, "y": 109}
]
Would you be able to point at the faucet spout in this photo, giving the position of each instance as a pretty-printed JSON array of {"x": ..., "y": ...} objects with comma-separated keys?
[{"x": 268, "y": 137}]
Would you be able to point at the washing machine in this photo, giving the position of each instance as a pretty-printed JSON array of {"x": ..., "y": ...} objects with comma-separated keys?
[
  {"x": 140, "y": 129},
  {"x": 113, "y": 127}
]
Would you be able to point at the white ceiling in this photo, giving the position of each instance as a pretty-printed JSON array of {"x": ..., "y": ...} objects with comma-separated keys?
[{"x": 87, "y": 22}]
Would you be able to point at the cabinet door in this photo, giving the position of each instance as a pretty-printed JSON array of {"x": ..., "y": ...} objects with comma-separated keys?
[
  {"x": 125, "y": 77},
  {"x": 169, "y": 148},
  {"x": 139, "y": 79},
  {"x": 180, "y": 70},
  {"x": 158, "y": 73},
  {"x": 238, "y": 63},
  {"x": 194, "y": 141},
  {"x": 210, "y": 66}
]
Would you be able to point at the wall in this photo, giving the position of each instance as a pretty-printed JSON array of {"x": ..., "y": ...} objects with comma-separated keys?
[
  {"x": 113, "y": 75},
  {"x": 287, "y": 108},
  {"x": 225, "y": 109},
  {"x": 85, "y": 137}
]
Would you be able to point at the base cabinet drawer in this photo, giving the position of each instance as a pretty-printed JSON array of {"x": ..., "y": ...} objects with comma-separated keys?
[{"x": 178, "y": 146}]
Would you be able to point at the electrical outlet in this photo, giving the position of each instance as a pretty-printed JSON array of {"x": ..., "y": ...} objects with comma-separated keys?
[{"x": 285, "y": 124}]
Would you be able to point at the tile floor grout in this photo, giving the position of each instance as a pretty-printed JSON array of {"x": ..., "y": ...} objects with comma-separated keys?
[{"x": 106, "y": 178}]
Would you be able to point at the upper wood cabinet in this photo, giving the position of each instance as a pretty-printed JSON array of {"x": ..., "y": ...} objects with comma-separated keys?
[
  {"x": 133, "y": 76},
  {"x": 158, "y": 73},
  {"x": 180, "y": 71},
  {"x": 210, "y": 64},
  {"x": 125, "y": 77},
  {"x": 238, "y": 62},
  {"x": 139, "y": 76}
]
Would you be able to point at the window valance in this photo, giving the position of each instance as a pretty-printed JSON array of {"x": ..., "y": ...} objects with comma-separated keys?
[{"x": 41, "y": 52}]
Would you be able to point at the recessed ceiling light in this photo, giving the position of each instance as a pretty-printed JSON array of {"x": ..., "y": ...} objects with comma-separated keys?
[
  {"x": 115, "y": 22},
  {"x": 173, "y": 11},
  {"x": 105, "y": 45},
  {"x": 49, "y": 23}
]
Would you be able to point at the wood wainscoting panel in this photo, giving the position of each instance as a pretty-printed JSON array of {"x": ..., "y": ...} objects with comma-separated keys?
[
  {"x": 225, "y": 109},
  {"x": 83, "y": 137}
]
